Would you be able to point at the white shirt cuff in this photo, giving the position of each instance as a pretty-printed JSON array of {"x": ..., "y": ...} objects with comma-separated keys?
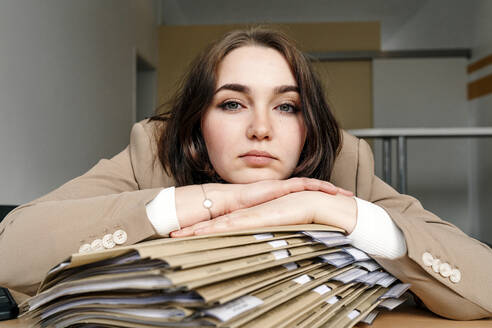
[
  {"x": 375, "y": 232},
  {"x": 161, "y": 212}
]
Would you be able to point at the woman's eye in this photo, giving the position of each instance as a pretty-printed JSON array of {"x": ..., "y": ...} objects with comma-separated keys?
[
  {"x": 230, "y": 105},
  {"x": 287, "y": 108}
]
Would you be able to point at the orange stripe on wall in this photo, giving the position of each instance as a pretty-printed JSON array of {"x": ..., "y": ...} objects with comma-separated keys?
[
  {"x": 480, "y": 87},
  {"x": 480, "y": 64}
]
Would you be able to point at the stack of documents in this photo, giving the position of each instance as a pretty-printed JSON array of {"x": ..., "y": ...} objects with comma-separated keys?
[{"x": 291, "y": 276}]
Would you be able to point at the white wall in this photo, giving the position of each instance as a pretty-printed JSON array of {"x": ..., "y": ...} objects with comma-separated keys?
[
  {"x": 481, "y": 114},
  {"x": 436, "y": 24},
  {"x": 482, "y": 29},
  {"x": 481, "y": 183},
  {"x": 404, "y": 24},
  {"x": 66, "y": 87},
  {"x": 464, "y": 181},
  {"x": 428, "y": 93}
]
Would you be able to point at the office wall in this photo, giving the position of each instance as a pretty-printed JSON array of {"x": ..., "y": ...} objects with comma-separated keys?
[
  {"x": 463, "y": 24},
  {"x": 348, "y": 89},
  {"x": 428, "y": 93},
  {"x": 66, "y": 87},
  {"x": 435, "y": 24},
  {"x": 480, "y": 109},
  {"x": 404, "y": 24}
]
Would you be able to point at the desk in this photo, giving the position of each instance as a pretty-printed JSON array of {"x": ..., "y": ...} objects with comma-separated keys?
[
  {"x": 404, "y": 317},
  {"x": 412, "y": 317}
]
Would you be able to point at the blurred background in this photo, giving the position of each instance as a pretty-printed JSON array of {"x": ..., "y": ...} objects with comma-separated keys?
[{"x": 76, "y": 75}]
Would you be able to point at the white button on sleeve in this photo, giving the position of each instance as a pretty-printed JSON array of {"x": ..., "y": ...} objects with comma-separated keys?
[
  {"x": 161, "y": 212},
  {"x": 108, "y": 241},
  {"x": 86, "y": 248},
  {"x": 375, "y": 232},
  {"x": 455, "y": 276},
  {"x": 436, "y": 263},
  {"x": 119, "y": 237},
  {"x": 97, "y": 245},
  {"x": 445, "y": 269},
  {"x": 427, "y": 259}
]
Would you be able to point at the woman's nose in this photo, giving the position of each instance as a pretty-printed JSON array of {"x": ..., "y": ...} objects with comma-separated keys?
[{"x": 260, "y": 125}]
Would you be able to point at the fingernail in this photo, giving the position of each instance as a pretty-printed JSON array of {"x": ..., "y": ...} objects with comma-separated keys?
[
  {"x": 184, "y": 231},
  {"x": 178, "y": 232}
]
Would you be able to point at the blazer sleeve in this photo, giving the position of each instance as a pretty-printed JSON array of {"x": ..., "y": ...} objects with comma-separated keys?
[
  {"x": 426, "y": 233},
  {"x": 36, "y": 236}
]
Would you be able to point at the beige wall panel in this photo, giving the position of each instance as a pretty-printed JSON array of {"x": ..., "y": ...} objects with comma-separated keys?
[
  {"x": 178, "y": 45},
  {"x": 349, "y": 91},
  {"x": 340, "y": 36}
]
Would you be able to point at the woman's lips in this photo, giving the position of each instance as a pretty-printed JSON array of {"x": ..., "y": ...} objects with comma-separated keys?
[
  {"x": 253, "y": 160},
  {"x": 257, "y": 158}
]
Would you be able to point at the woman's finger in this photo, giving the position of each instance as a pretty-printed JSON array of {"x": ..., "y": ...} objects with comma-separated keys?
[
  {"x": 224, "y": 224},
  {"x": 345, "y": 192},
  {"x": 310, "y": 184},
  {"x": 190, "y": 231},
  {"x": 263, "y": 191},
  {"x": 220, "y": 224}
]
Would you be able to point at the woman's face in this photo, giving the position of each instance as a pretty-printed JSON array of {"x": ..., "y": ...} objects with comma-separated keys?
[{"x": 256, "y": 108}]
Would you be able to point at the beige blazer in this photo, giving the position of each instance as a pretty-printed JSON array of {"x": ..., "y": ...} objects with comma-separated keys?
[{"x": 113, "y": 194}]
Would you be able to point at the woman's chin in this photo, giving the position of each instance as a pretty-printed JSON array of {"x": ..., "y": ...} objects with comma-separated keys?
[{"x": 250, "y": 177}]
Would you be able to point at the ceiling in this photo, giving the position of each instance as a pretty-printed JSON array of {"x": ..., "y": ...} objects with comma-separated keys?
[{"x": 448, "y": 21}]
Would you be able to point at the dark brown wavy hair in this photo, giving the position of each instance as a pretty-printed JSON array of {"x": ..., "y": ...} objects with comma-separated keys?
[{"x": 181, "y": 147}]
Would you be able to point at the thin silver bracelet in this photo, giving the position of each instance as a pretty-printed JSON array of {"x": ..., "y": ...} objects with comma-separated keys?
[{"x": 207, "y": 203}]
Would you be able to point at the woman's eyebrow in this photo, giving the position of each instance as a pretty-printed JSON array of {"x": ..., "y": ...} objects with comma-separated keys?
[
  {"x": 285, "y": 88},
  {"x": 245, "y": 89},
  {"x": 234, "y": 87}
]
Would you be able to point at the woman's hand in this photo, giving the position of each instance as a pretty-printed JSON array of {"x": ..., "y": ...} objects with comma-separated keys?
[
  {"x": 251, "y": 194},
  {"x": 228, "y": 198},
  {"x": 294, "y": 208}
]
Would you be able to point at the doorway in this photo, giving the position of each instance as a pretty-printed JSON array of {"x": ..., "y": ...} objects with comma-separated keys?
[{"x": 145, "y": 88}]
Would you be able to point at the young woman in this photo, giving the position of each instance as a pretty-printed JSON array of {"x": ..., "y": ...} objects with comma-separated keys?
[{"x": 249, "y": 141}]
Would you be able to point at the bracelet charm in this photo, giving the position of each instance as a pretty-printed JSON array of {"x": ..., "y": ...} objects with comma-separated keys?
[{"x": 207, "y": 203}]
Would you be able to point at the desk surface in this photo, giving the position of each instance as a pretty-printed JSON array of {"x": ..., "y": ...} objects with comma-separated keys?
[
  {"x": 404, "y": 317},
  {"x": 412, "y": 317}
]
